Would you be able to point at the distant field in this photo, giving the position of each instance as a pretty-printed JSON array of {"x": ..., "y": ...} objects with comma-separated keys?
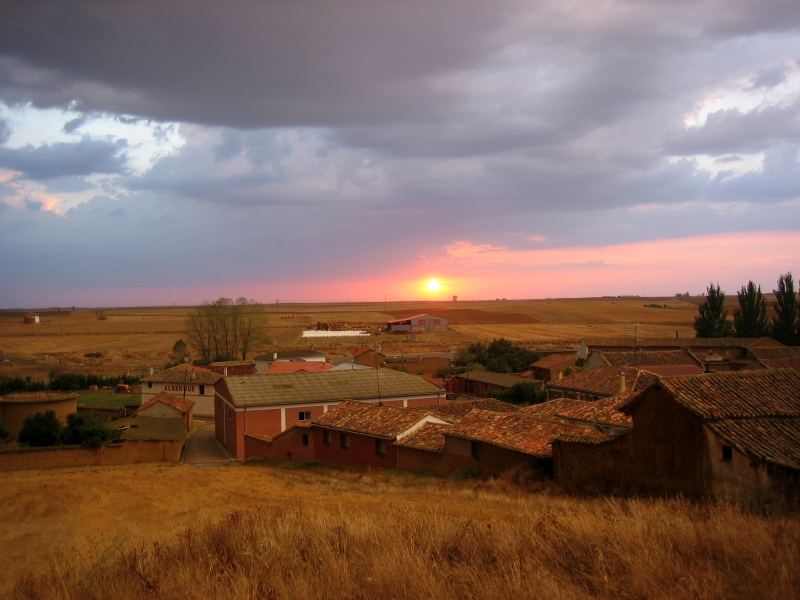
[
  {"x": 104, "y": 399},
  {"x": 134, "y": 339}
]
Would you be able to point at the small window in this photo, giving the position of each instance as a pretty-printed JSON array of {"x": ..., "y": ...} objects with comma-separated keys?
[
  {"x": 202, "y": 390},
  {"x": 727, "y": 453},
  {"x": 305, "y": 439},
  {"x": 474, "y": 450},
  {"x": 380, "y": 447},
  {"x": 150, "y": 384},
  {"x": 344, "y": 441},
  {"x": 304, "y": 415},
  {"x": 327, "y": 438}
]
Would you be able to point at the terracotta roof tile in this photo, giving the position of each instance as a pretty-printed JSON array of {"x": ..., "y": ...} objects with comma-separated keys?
[
  {"x": 455, "y": 409},
  {"x": 604, "y": 412},
  {"x": 492, "y": 378},
  {"x": 778, "y": 358},
  {"x": 429, "y": 437},
  {"x": 303, "y": 366},
  {"x": 683, "y": 342},
  {"x": 552, "y": 407},
  {"x": 178, "y": 403},
  {"x": 603, "y": 381},
  {"x": 648, "y": 358},
  {"x": 552, "y": 361},
  {"x": 528, "y": 434},
  {"x": 369, "y": 418},
  {"x": 671, "y": 370},
  {"x": 774, "y": 439}
]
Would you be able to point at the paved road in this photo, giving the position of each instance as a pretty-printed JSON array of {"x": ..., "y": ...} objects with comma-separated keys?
[{"x": 202, "y": 448}]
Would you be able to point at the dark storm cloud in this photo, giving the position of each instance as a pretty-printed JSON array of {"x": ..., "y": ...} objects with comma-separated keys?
[
  {"x": 64, "y": 159},
  {"x": 5, "y": 131}
]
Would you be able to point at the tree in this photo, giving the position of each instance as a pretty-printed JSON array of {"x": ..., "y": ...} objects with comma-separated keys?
[
  {"x": 179, "y": 352},
  {"x": 86, "y": 432},
  {"x": 523, "y": 393},
  {"x": 786, "y": 322},
  {"x": 40, "y": 429},
  {"x": 750, "y": 320},
  {"x": 226, "y": 330},
  {"x": 712, "y": 318},
  {"x": 501, "y": 356}
]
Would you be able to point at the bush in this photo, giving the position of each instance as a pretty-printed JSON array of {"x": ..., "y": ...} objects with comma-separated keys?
[
  {"x": 86, "y": 432},
  {"x": 523, "y": 393},
  {"x": 41, "y": 429}
]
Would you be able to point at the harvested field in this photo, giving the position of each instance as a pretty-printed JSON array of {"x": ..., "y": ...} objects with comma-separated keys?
[{"x": 243, "y": 532}]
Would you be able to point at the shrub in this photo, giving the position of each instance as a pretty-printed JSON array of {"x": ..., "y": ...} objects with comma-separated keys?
[
  {"x": 86, "y": 432},
  {"x": 41, "y": 429}
]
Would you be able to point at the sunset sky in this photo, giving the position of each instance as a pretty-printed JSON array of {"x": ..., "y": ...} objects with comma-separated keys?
[{"x": 175, "y": 152}]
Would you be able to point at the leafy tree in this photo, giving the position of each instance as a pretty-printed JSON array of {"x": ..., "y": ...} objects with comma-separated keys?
[
  {"x": 712, "y": 318},
  {"x": 523, "y": 393},
  {"x": 750, "y": 320},
  {"x": 40, "y": 429},
  {"x": 786, "y": 322},
  {"x": 179, "y": 352},
  {"x": 226, "y": 329},
  {"x": 86, "y": 432},
  {"x": 500, "y": 355}
]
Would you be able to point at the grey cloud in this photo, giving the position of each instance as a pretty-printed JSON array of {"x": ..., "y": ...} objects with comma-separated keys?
[
  {"x": 5, "y": 131},
  {"x": 769, "y": 78},
  {"x": 66, "y": 159},
  {"x": 31, "y": 204},
  {"x": 75, "y": 124}
]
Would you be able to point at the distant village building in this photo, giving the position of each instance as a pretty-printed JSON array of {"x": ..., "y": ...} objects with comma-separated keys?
[
  {"x": 485, "y": 383},
  {"x": 417, "y": 323},
  {"x": 268, "y": 406},
  {"x": 368, "y": 357},
  {"x": 264, "y": 361},
  {"x": 553, "y": 366},
  {"x": 233, "y": 367},
  {"x": 15, "y": 408},
  {"x": 167, "y": 406},
  {"x": 31, "y": 319},
  {"x": 186, "y": 381}
]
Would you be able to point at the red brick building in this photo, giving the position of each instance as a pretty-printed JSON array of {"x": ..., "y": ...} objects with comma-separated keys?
[
  {"x": 269, "y": 405},
  {"x": 233, "y": 367},
  {"x": 553, "y": 366}
]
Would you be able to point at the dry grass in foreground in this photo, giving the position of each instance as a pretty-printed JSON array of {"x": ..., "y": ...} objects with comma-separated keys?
[{"x": 548, "y": 548}]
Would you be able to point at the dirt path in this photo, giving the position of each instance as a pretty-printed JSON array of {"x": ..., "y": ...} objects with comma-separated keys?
[{"x": 203, "y": 449}]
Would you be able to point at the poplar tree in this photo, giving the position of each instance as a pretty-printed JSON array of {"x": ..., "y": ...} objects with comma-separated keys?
[
  {"x": 750, "y": 320},
  {"x": 712, "y": 318},
  {"x": 786, "y": 322}
]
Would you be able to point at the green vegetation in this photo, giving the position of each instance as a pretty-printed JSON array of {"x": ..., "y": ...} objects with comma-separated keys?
[
  {"x": 40, "y": 429},
  {"x": 62, "y": 382},
  {"x": 44, "y": 429},
  {"x": 105, "y": 399},
  {"x": 786, "y": 322},
  {"x": 712, "y": 318},
  {"x": 750, "y": 320},
  {"x": 500, "y": 355},
  {"x": 523, "y": 393}
]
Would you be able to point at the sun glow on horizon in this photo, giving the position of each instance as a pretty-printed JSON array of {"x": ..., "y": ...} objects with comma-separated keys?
[{"x": 433, "y": 285}]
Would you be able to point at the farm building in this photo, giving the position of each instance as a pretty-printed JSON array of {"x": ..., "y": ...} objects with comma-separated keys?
[
  {"x": 307, "y": 354},
  {"x": 187, "y": 381},
  {"x": 233, "y": 367},
  {"x": 31, "y": 319},
  {"x": 269, "y": 405},
  {"x": 14, "y": 408},
  {"x": 167, "y": 406},
  {"x": 732, "y": 435},
  {"x": 553, "y": 366},
  {"x": 485, "y": 383},
  {"x": 418, "y": 323},
  {"x": 368, "y": 357}
]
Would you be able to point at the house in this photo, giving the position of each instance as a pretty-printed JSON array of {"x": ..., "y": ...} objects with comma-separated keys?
[
  {"x": 187, "y": 381},
  {"x": 167, "y": 406},
  {"x": 553, "y": 366},
  {"x": 591, "y": 384},
  {"x": 430, "y": 363},
  {"x": 358, "y": 434},
  {"x": 643, "y": 358},
  {"x": 306, "y": 354},
  {"x": 269, "y": 405},
  {"x": 233, "y": 367},
  {"x": 731, "y": 435},
  {"x": 31, "y": 319},
  {"x": 485, "y": 383},
  {"x": 417, "y": 323},
  {"x": 368, "y": 357},
  {"x": 776, "y": 358}
]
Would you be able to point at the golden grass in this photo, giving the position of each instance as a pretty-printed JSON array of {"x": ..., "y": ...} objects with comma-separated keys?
[{"x": 267, "y": 532}]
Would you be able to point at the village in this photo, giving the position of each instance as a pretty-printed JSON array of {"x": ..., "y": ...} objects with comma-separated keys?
[{"x": 693, "y": 417}]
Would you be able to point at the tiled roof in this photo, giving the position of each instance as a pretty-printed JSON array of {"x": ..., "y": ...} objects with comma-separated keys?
[
  {"x": 735, "y": 394},
  {"x": 492, "y": 378},
  {"x": 648, "y": 358},
  {"x": 302, "y": 366},
  {"x": 604, "y": 412},
  {"x": 552, "y": 361},
  {"x": 682, "y": 342},
  {"x": 185, "y": 374},
  {"x": 233, "y": 363},
  {"x": 328, "y": 386},
  {"x": 528, "y": 434},
  {"x": 778, "y": 358},
  {"x": 454, "y": 409},
  {"x": 774, "y": 439},
  {"x": 672, "y": 370},
  {"x": 429, "y": 437},
  {"x": 180, "y": 404},
  {"x": 34, "y": 397},
  {"x": 551, "y": 407},
  {"x": 598, "y": 380},
  {"x": 364, "y": 350},
  {"x": 369, "y": 418}
]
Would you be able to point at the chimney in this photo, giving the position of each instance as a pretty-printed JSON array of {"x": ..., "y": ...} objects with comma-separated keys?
[{"x": 622, "y": 382}]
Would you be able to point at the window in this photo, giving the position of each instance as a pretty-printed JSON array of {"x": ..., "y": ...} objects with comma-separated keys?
[
  {"x": 304, "y": 415},
  {"x": 202, "y": 390},
  {"x": 727, "y": 453},
  {"x": 149, "y": 384},
  {"x": 344, "y": 440},
  {"x": 327, "y": 438},
  {"x": 305, "y": 439},
  {"x": 380, "y": 447},
  {"x": 474, "y": 450}
]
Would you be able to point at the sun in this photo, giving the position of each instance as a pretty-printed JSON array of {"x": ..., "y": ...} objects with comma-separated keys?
[{"x": 433, "y": 285}]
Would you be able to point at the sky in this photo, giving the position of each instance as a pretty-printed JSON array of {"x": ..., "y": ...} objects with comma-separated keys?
[{"x": 180, "y": 151}]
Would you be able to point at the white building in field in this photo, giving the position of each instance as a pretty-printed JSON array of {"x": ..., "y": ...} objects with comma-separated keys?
[{"x": 185, "y": 381}]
